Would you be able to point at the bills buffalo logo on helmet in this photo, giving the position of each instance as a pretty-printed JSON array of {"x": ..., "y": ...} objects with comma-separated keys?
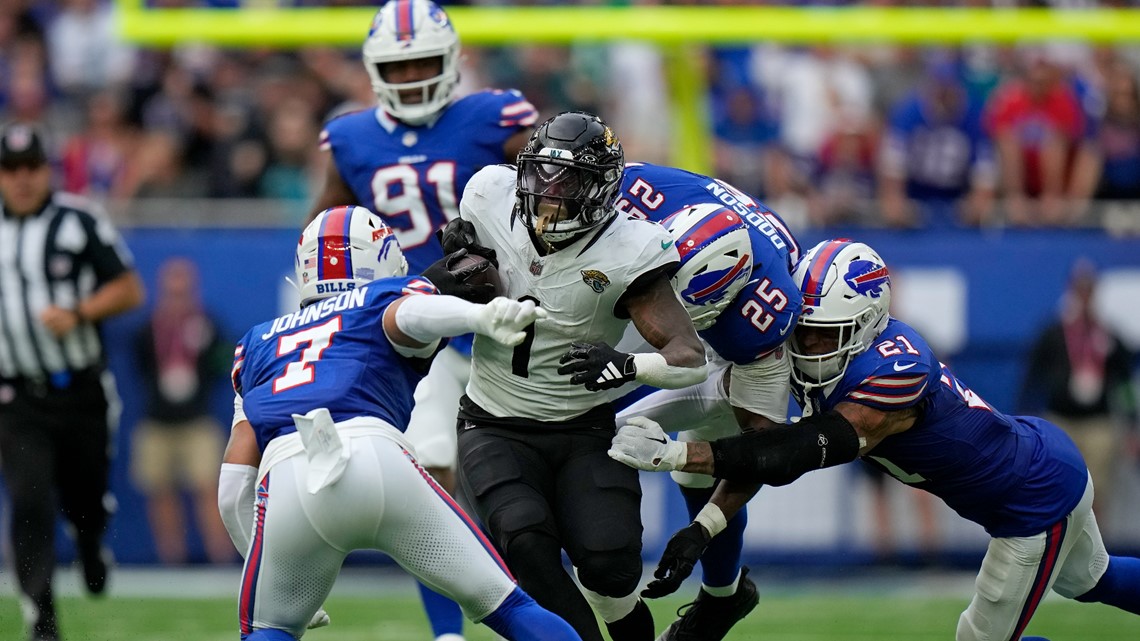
[
  {"x": 595, "y": 279},
  {"x": 867, "y": 278}
]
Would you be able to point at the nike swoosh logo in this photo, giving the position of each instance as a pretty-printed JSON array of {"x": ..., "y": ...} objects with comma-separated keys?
[
  {"x": 659, "y": 440},
  {"x": 666, "y": 244},
  {"x": 791, "y": 320},
  {"x": 904, "y": 367}
]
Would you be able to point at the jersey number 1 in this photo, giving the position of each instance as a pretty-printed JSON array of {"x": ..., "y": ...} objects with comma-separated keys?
[
  {"x": 300, "y": 372},
  {"x": 520, "y": 359}
]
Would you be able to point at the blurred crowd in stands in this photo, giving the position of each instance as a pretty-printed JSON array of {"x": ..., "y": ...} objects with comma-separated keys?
[{"x": 1041, "y": 135}]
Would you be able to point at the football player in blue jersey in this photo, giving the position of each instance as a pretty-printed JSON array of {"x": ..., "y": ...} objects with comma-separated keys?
[
  {"x": 317, "y": 464},
  {"x": 735, "y": 280},
  {"x": 408, "y": 160},
  {"x": 872, "y": 388}
]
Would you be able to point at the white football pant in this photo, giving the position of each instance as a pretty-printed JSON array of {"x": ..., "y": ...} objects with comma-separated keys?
[
  {"x": 431, "y": 429},
  {"x": 1018, "y": 572},
  {"x": 383, "y": 501}
]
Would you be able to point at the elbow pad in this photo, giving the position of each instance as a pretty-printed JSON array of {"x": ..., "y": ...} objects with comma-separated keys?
[{"x": 780, "y": 455}]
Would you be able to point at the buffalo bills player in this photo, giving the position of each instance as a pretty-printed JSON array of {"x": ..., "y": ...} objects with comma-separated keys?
[
  {"x": 872, "y": 388},
  {"x": 735, "y": 280},
  {"x": 408, "y": 160},
  {"x": 317, "y": 464}
]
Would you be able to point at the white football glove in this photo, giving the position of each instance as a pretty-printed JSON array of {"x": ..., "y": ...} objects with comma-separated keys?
[
  {"x": 319, "y": 620},
  {"x": 504, "y": 319},
  {"x": 642, "y": 444}
]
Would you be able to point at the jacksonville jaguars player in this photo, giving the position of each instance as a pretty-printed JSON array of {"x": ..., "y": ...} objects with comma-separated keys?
[
  {"x": 735, "y": 280},
  {"x": 533, "y": 432},
  {"x": 317, "y": 464},
  {"x": 408, "y": 160},
  {"x": 872, "y": 388}
]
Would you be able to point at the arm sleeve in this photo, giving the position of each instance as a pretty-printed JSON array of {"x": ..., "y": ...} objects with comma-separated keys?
[
  {"x": 426, "y": 319},
  {"x": 780, "y": 455},
  {"x": 236, "y": 484},
  {"x": 763, "y": 386},
  {"x": 239, "y": 411}
]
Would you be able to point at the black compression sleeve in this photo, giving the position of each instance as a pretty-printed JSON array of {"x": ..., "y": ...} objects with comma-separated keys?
[{"x": 780, "y": 455}]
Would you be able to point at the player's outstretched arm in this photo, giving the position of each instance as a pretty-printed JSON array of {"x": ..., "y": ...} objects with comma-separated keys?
[
  {"x": 414, "y": 324},
  {"x": 774, "y": 456}
]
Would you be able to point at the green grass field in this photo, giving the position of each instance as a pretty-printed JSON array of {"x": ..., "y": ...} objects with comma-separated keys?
[{"x": 780, "y": 617}]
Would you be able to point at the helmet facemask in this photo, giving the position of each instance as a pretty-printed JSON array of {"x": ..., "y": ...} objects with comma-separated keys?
[
  {"x": 825, "y": 367},
  {"x": 561, "y": 198}
]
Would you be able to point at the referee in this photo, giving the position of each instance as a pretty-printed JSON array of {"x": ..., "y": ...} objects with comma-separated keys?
[{"x": 63, "y": 268}]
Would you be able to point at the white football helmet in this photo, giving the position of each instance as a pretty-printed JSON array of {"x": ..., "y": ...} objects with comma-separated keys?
[
  {"x": 846, "y": 286},
  {"x": 343, "y": 248},
  {"x": 716, "y": 259},
  {"x": 409, "y": 30}
]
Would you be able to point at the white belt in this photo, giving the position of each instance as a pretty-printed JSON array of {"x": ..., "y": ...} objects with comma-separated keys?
[{"x": 323, "y": 443}]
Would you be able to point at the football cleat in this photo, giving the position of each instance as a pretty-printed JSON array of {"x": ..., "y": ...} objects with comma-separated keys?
[
  {"x": 709, "y": 618},
  {"x": 96, "y": 564}
]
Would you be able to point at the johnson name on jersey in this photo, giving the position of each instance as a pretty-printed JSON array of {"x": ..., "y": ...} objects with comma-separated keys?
[
  {"x": 413, "y": 176},
  {"x": 332, "y": 353},
  {"x": 763, "y": 314},
  {"x": 579, "y": 287},
  {"x": 1013, "y": 475}
]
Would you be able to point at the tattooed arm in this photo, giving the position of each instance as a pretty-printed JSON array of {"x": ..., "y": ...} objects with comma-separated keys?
[
  {"x": 661, "y": 319},
  {"x": 657, "y": 313}
]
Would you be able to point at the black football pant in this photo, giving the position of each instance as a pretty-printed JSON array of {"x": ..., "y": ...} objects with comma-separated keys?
[
  {"x": 539, "y": 493},
  {"x": 53, "y": 449}
]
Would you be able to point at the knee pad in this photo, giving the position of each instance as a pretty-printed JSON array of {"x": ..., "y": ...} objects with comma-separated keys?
[
  {"x": 610, "y": 574},
  {"x": 531, "y": 549}
]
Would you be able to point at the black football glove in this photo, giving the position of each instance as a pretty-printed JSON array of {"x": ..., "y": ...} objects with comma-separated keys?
[
  {"x": 460, "y": 234},
  {"x": 454, "y": 282},
  {"x": 597, "y": 366},
  {"x": 681, "y": 554}
]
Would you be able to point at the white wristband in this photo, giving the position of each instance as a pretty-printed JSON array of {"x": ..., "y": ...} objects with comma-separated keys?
[
  {"x": 653, "y": 369},
  {"x": 712, "y": 519}
]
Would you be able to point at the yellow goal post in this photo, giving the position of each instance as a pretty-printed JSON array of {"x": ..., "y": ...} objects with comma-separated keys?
[{"x": 678, "y": 30}]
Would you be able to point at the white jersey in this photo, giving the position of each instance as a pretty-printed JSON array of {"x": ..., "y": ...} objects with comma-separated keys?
[{"x": 579, "y": 286}]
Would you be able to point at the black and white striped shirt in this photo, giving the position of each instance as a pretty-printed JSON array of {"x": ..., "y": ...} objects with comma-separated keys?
[{"x": 57, "y": 256}]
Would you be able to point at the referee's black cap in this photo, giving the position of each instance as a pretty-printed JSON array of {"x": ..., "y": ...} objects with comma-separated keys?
[{"x": 21, "y": 146}]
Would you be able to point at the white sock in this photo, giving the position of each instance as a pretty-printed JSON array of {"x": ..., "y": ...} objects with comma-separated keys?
[{"x": 724, "y": 590}]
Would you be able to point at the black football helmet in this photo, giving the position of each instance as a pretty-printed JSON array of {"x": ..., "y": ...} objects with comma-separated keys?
[{"x": 568, "y": 176}]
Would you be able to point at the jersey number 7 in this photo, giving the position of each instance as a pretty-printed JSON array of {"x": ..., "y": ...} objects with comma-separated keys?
[{"x": 300, "y": 372}]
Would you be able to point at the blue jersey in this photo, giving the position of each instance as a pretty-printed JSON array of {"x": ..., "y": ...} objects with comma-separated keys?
[
  {"x": 761, "y": 316},
  {"x": 413, "y": 176},
  {"x": 1013, "y": 475},
  {"x": 331, "y": 353}
]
